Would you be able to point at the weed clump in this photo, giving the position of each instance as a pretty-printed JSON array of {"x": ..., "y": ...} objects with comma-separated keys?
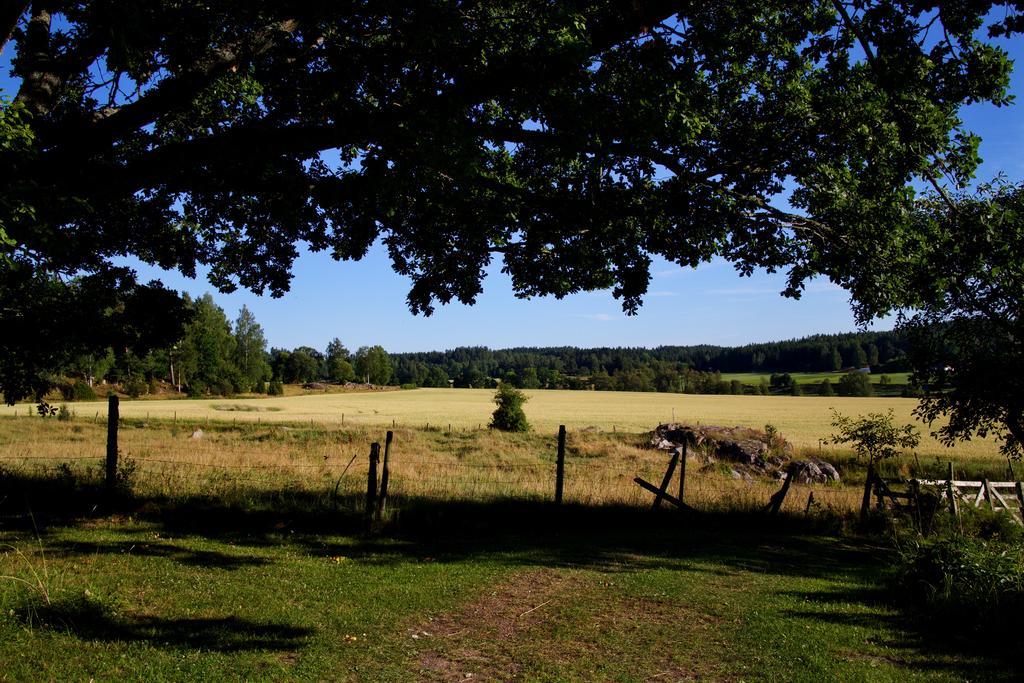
[{"x": 975, "y": 582}]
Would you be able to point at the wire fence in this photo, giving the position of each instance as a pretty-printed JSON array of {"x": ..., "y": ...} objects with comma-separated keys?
[
  {"x": 158, "y": 461},
  {"x": 586, "y": 480}
]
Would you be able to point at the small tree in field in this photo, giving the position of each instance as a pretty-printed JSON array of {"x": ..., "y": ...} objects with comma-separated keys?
[
  {"x": 855, "y": 384},
  {"x": 874, "y": 436},
  {"x": 509, "y": 415}
]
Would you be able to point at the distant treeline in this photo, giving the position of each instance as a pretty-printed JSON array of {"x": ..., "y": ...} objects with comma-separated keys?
[
  {"x": 216, "y": 356},
  {"x": 682, "y": 369}
]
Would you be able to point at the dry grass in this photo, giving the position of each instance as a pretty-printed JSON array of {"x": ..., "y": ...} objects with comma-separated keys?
[
  {"x": 237, "y": 460},
  {"x": 803, "y": 419}
]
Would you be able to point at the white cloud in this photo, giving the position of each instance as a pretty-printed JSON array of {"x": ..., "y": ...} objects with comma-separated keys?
[
  {"x": 661, "y": 293},
  {"x": 603, "y": 317}
]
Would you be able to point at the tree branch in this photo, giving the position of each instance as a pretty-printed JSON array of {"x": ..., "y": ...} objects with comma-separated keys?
[
  {"x": 172, "y": 93},
  {"x": 796, "y": 222},
  {"x": 11, "y": 12},
  {"x": 869, "y": 53}
]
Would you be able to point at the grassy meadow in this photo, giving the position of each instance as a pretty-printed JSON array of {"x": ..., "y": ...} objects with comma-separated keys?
[
  {"x": 240, "y": 553},
  {"x": 803, "y": 420},
  {"x": 327, "y": 466},
  {"x": 755, "y": 378},
  {"x": 129, "y": 599}
]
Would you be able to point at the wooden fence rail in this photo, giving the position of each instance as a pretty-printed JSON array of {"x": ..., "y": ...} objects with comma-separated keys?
[{"x": 953, "y": 494}]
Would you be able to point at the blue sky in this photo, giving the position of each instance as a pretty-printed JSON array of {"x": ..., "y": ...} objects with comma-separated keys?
[{"x": 363, "y": 302}]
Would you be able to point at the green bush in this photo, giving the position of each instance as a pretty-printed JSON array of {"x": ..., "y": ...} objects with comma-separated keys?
[
  {"x": 83, "y": 392},
  {"x": 76, "y": 391},
  {"x": 855, "y": 384},
  {"x": 826, "y": 388},
  {"x": 67, "y": 390},
  {"x": 65, "y": 414},
  {"x": 275, "y": 388},
  {"x": 509, "y": 415},
  {"x": 976, "y": 583},
  {"x": 196, "y": 389},
  {"x": 226, "y": 388},
  {"x": 980, "y": 523},
  {"x": 135, "y": 387}
]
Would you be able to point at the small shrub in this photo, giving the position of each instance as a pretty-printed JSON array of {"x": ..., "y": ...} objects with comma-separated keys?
[
  {"x": 226, "y": 388},
  {"x": 125, "y": 472},
  {"x": 855, "y": 384},
  {"x": 65, "y": 414},
  {"x": 980, "y": 523},
  {"x": 912, "y": 390},
  {"x": 44, "y": 409},
  {"x": 66, "y": 475},
  {"x": 81, "y": 391},
  {"x": 275, "y": 388},
  {"x": 196, "y": 389},
  {"x": 408, "y": 386},
  {"x": 67, "y": 390},
  {"x": 874, "y": 436},
  {"x": 135, "y": 387},
  {"x": 509, "y": 415},
  {"x": 826, "y": 388},
  {"x": 976, "y": 583}
]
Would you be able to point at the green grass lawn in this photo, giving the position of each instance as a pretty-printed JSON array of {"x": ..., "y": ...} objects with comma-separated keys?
[
  {"x": 170, "y": 595},
  {"x": 754, "y": 378}
]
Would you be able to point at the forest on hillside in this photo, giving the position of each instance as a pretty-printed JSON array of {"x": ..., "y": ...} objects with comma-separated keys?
[
  {"x": 681, "y": 369},
  {"x": 217, "y": 356}
]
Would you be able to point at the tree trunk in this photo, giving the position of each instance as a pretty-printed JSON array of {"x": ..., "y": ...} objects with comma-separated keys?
[{"x": 40, "y": 83}]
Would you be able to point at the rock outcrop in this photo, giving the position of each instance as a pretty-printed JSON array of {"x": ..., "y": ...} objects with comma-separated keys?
[{"x": 747, "y": 452}]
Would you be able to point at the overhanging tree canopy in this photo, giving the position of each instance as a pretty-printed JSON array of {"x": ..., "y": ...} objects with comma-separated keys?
[
  {"x": 574, "y": 140},
  {"x": 967, "y": 329}
]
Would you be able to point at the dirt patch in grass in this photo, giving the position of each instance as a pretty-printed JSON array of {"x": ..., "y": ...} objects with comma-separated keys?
[
  {"x": 494, "y": 618},
  {"x": 565, "y": 624}
]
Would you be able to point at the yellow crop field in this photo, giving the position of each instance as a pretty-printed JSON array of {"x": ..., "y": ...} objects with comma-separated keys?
[{"x": 803, "y": 420}]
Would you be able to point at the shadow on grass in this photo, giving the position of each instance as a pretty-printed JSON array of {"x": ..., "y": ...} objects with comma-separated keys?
[
  {"x": 517, "y": 533},
  {"x": 206, "y": 559},
  {"x": 92, "y": 621},
  {"x": 982, "y": 656},
  {"x": 529, "y": 532}
]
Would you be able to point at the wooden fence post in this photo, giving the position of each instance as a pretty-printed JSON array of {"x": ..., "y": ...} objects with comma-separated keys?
[
  {"x": 866, "y": 502},
  {"x": 915, "y": 496},
  {"x": 560, "y": 466},
  {"x": 666, "y": 480},
  {"x": 987, "y": 493},
  {"x": 954, "y": 509},
  {"x": 382, "y": 497},
  {"x": 775, "y": 503},
  {"x": 1020, "y": 499},
  {"x": 682, "y": 473},
  {"x": 113, "y": 418},
  {"x": 371, "y": 484}
]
